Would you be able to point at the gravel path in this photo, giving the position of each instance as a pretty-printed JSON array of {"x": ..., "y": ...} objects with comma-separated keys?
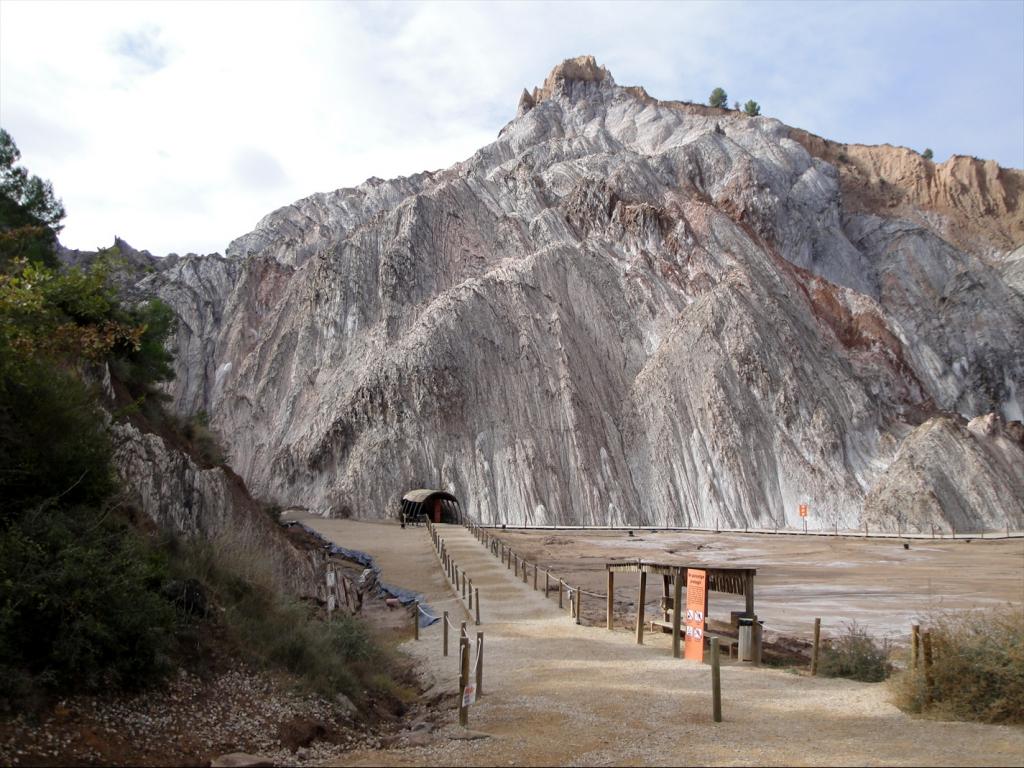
[{"x": 560, "y": 694}]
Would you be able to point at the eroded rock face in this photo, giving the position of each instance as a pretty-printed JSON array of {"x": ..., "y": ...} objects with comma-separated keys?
[
  {"x": 192, "y": 502},
  {"x": 947, "y": 473},
  {"x": 621, "y": 311}
]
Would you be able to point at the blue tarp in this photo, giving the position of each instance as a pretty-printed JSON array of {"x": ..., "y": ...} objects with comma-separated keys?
[{"x": 404, "y": 596}]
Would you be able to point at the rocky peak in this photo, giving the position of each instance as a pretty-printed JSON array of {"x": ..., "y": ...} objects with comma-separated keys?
[
  {"x": 567, "y": 78},
  {"x": 526, "y": 103}
]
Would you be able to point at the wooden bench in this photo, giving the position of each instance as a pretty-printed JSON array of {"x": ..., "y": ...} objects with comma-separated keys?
[{"x": 728, "y": 644}]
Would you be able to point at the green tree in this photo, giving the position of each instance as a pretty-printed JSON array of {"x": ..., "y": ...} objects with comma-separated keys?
[
  {"x": 32, "y": 195},
  {"x": 752, "y": 108},
  {"x": 30, "y": 212},
  {"x": 718, "y": 98},
  {"x": 928, "y": 154}
]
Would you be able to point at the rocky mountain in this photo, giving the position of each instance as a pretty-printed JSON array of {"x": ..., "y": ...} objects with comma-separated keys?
[{"x": 626, "y": 310}]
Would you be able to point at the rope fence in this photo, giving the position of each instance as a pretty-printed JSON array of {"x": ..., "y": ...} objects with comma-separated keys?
[
  {"x": 470, "y": 673},
  {"x": 822, "y": 528},
  {"x": 520, "y": 566}
]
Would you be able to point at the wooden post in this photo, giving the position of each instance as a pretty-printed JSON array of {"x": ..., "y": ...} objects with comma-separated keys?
[
  {"x": 716, "y": 682},
  {"x": 444, "y": 634},
  {"x": 525, "y": 567},
  {"x": 462, "y": 630},
  {"x": 547, "y": 584},
  {"x": 560, "y": 584},
  {"x": 478, "y": 607},
  {"x": 915, "y": 643},
  {"x": 534, "y": 577},
  {"x": 817, "y": 646},
  {"x": 416, "y": 620},
  {"x": 929, "y": 678},
  {"x": 755, "y": 641},
  {"x": 463, "y": 680},
  {"x": 611, "y": 598},
  {"x": 579, "y": 599},
  {"x": 471, "y": 594},
  {"x": 666, "y": 594},
  {"x": 480, "y": 663},
  {"x": 640, "y": 608},
  {"x": 463, "y": 585},
  {"x": 677, "y": 600}
]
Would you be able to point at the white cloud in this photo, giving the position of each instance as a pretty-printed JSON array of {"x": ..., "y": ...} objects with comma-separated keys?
[{"x": 179, "y": 125}]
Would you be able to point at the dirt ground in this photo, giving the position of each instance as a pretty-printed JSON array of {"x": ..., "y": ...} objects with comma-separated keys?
[
  {"x": 875, "y": 582},
  {"x": 555, "y": 693}
]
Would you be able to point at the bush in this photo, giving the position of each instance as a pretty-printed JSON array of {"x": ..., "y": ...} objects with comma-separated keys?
[
  {"x": 54, "y": 446},
  {"x": 752, "y": 108},
  {"x": 718, "y": 98},
  {"x": 80, "y": 608},
  {"x": 855, "y": 655},
  {"x": 978, "y": 668},
  {"x": 928, "y": 154},
  {"x": 278, "y": 632}
]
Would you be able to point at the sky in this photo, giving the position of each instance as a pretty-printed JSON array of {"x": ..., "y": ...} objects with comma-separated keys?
[{"x": 178, "y": 126}]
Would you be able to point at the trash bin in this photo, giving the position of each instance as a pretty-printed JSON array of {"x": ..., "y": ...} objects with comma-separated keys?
[
  {"x": 746, "y": 638},
  {"x": 750, "y": 632}
]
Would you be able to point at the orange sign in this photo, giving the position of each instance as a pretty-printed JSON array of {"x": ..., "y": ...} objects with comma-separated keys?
[
  {"x": 803, "y": 510},
  {"x": 696, "y": 604}
]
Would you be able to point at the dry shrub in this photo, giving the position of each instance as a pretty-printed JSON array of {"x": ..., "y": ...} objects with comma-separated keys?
[
  {"x": 978, "y": 668},
  {"x": 248, "y": 587},
  {"x": 855, "y": 655}
]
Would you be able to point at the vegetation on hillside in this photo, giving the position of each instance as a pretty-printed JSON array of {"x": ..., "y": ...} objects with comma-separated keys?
[{"x": 89, "y": 601}]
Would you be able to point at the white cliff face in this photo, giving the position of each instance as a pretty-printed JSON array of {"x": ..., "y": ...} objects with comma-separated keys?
[{"x": 621, "y": 311}]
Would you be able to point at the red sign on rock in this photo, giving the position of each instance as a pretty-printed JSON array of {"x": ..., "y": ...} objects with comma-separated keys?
[{"x": 696, "y": 605}]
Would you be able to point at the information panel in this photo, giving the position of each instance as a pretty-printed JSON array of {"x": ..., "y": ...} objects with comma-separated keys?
[{"x": 696, "y": 600}]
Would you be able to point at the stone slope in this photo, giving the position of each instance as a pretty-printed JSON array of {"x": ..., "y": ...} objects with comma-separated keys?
[
  {"x": 983, "y": 491},
  {"x": 620, "y": 311},
  {"x": 974, "y": 204}
]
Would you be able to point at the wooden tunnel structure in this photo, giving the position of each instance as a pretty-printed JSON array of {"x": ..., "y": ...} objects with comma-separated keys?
[
  {"x": 433, "y": 505},
  {"x": 732, "y": 581}
]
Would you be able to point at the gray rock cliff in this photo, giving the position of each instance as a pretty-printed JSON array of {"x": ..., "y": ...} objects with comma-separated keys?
[{"x": 620, "y": 311}]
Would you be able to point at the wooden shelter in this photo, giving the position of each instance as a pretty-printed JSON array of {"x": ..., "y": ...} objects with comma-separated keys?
[
  {"x": 436, "y": 506},
  {"x": 733, "y": 581}
]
